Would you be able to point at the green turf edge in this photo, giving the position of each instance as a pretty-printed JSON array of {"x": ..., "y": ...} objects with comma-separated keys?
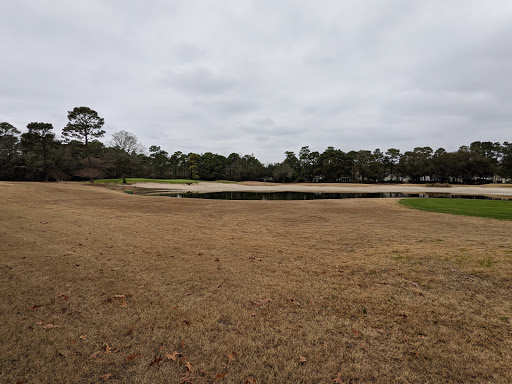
[
  {"x": 163, "y": 181},
  {"x": 492, "y": 209}
]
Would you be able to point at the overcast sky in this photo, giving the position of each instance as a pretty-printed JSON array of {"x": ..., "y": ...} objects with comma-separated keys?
[{"x": 265, "y": 76}]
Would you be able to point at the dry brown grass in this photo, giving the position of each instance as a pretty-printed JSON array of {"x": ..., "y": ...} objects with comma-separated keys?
[{"x": 363, "y": 289}]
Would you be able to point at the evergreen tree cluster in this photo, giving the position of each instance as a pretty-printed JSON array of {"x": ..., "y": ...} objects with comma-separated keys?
[{"x": 37, "y": 155}]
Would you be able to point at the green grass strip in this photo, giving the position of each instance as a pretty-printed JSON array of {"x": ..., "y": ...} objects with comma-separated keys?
[
  {"x": 163, "y": 181},
  {"x": 494, "y": 209},
  {"x": 142, "y": 180}
]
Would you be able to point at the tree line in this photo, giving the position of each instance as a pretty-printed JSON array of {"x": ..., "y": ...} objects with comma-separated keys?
[{"x": 38, "y": 155}]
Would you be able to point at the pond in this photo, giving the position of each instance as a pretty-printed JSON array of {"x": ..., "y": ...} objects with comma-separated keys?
[{"x": 314, "y": 195}]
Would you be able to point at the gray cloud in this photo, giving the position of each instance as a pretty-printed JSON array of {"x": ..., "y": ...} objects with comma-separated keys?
[
  {"x": 199, "y": 81},
  {"x": 263, "y": 77}
]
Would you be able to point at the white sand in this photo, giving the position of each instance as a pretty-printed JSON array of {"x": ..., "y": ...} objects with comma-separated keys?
[{"x": 488, "y": 190}]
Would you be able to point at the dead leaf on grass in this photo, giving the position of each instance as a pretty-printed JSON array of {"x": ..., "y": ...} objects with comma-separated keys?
[
  {"x": 83, "y": 337},
  {"x": 337, "y": 379},
  {"x": 172, "y": 356},
  {"x": 183, "y": 359},
  {"x": 132, "y": 356},
  {"x": 231, "y": 357},
  {"x": 187, "y": 378},
  {"x": 106, "y": 376},
  {"x": 65, "y": 297},
  {"x": 50, "y": 326},
  {"x": 356, "y": 333},
  {"x": 219, "y": 377},
  {"x": 107, "y": 348},
  {"x": 95, "y": 355},
  {"x": 302, "y": 360},
  {"x": 189, "y": 366}
]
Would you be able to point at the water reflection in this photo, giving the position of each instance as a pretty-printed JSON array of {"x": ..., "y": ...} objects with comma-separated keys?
[{"x": 316, "y": 195}]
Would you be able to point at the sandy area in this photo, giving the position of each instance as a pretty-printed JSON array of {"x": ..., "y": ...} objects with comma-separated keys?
[{"x": 488, "y": 190}]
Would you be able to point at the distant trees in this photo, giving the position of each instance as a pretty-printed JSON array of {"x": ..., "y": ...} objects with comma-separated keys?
[
  {"x": 283, "y": 172},
  {"x": 304, "y": 164},
  {"x": 506, "y": 162},
  {"x": 211, "y": 166},
  {"x": 8, "y": 150},
  {"x": 159, "y": 162},
  {"x": 124, "y": 151},
  {"x": 38, "y": 155},
  {"x": 37, "y": 145},
  {"x": 179, "y": 165},
  {"x": 363, "y": 162},
  {"x": 440, "y": 165},
  {"x": 292, "y": 161},
  {"x": 478, "y": 162},
  {"x": 416, "y": 164},
  {"x": 85, "y": 125},
  {"x": 127, "y": 142},
  {"x": 335, "y": 165},
  {"x": 234, "y": 167},
  {"x": 252, "y": 169},
  {"x": 391, "y": 162}
]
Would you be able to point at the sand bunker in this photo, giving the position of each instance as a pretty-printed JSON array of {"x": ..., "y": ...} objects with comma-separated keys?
[{"x": 205, "y": 187}]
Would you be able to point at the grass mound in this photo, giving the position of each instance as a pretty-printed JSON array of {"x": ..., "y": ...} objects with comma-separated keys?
[{"x": 494, "y": 209}]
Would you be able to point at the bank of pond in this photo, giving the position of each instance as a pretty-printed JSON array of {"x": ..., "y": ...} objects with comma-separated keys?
[
  {"x": 494, "y": 207},
  {"x": 314, "y": 195}
]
